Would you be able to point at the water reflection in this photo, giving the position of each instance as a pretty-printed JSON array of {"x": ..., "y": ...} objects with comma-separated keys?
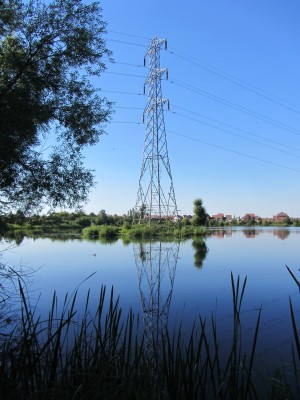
[
  {"x": 200, "y": 252},
  {"x": 156, "y": 268},
  {"x": 221, "y": 233},
  {"x": 12, "y": 278},
  {"x": 250, "y": 233},
  {"x": 281, "y": 233},
  {"x": 14, "y": 237}
]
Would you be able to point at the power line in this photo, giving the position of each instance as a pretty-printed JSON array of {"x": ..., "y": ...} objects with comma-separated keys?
[
  {"x": 234, "y": 127},
  {"x": 218, "y": 128},
  {"x": 216, "y": 146},
  {"x": 230, "y": 78},
  {"x": 216, "y": 71},
  {"x": 230, "y": 104},
  {"x": 236, "y": 134},
  {"x": 126, "y": 122},
  {"x": 124, "y": 74},
  {"x": 214, "y": 120},
  {"x": 223, "y": 101},
  {"x": 124, "y": 42},
  {"x": 128, "y": 34},
  {"x": 131, "y": 65},
  {"x": 232, "y": 151},
  {"x": 121, "y": 92},
  {"x": 130, "y": 107}
]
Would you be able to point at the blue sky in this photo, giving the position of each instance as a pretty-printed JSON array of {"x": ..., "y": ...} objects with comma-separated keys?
[{"x": 233, "y": 128}]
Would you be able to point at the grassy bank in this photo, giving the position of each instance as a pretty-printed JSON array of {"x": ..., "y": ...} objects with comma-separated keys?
[
  {"x": 106, "y": 356},
  {"x": 101, "y": 231},
  {"x": 144, "y": 231}
]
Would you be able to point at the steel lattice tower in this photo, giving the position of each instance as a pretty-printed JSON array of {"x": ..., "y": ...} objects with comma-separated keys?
[{"x": 156, "y": 197}]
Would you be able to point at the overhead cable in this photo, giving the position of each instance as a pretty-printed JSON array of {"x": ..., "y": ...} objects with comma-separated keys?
[
  {"x": 236, "y": 128},
  {"x": 124, "y": 42},
  {"x": 121, "y": 92},
  {"x": 124, "y": 74},
  {"x": 233, "y": 151},
  {"x": 235, "y": 106},
  {"x": 236, "y": 134},
  {"x": 248, "y": 86},
  {"x": 128, "y": 34}
]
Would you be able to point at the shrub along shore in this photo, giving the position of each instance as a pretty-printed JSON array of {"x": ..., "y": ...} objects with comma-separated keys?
[
  {"x": 109, "y": 356},
  {"x": 102, "y": 225},
  {"x": 144, "y": 231}
]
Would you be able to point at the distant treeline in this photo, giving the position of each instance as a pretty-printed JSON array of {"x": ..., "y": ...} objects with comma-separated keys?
[
  {"x": 92, "y": 225},
  {"x": 58, "y": 221},
  {"x": 89, "y": 224}
]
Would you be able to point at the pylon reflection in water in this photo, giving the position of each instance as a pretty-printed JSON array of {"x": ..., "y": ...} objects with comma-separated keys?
[{"x": 156, "y": 264}]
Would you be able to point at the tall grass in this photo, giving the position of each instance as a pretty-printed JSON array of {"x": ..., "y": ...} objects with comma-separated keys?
[
  {"x": 105, "y": 356},
  {"x": 143, "y": 231},
  {"x": 163, "y": 230},
  {"x": 101, "y": 231}
]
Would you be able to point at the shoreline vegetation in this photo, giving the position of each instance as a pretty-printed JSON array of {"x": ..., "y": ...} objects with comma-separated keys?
[
  {"x": 144, "y": 231},
  {"x": 108, "y": 356},
  {"x": 101, "y": 225}
]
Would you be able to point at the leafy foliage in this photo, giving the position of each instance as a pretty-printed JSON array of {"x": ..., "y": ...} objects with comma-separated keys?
[
  {"x": 48, "y": 52},
  {"x": 200, "y": 215}
]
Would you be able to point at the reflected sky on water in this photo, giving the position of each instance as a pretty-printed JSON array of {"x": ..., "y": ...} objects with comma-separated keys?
[{"x": 195, "y": 278}]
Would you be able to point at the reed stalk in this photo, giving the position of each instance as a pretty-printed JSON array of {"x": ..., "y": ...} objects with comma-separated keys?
[{"x": 104, "y": 356}]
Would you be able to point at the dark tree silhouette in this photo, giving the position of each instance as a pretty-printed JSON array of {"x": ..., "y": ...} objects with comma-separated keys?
[{"x": 49, "y": 110}]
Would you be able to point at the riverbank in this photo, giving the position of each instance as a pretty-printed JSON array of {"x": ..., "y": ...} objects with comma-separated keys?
[
  {"x": 103, "y": 225},
  {"x": 144, "y": 231}
]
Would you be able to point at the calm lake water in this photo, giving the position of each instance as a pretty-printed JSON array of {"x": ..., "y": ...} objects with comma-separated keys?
[{"x": 177, "y": 281}]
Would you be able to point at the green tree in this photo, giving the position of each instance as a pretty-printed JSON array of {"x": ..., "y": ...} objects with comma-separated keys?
[
  {"x": 102, "y": 218},
  {"x": 200, "y": 215},
  {"x": 19, "y": 217},
  {"x": 83, "y": 221},
  {"x": 48, "y": 52},
  {"x": 185, "y": 221}
]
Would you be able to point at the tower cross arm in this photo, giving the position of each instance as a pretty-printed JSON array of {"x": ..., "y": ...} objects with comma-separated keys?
[
  {"x": 154, "y": 46},
  {"x": 151, "y": 107},
  {"x": 155, "y": 74}
]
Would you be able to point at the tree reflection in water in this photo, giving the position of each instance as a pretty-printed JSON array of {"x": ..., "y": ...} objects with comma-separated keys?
[
  {"x": 200, "y": 252},
  {"x": 11, "y": 278}
]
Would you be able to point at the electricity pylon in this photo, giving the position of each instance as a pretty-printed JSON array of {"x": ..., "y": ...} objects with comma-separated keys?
[
  {"x": 156, "y": 197},
  {"x": 156, "y": 268}
]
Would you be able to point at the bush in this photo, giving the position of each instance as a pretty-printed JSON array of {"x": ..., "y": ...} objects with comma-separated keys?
[
  {"x": 144, "y": 231},
  {"x": 103, "y": 231},
  {"x": 91, "y": 232},
  {"x": 108, "y": 231},
  {"x": 126, "y": 225},
  {"x": 83, "y": 222},
  {"x": 200, "y": 231}
]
